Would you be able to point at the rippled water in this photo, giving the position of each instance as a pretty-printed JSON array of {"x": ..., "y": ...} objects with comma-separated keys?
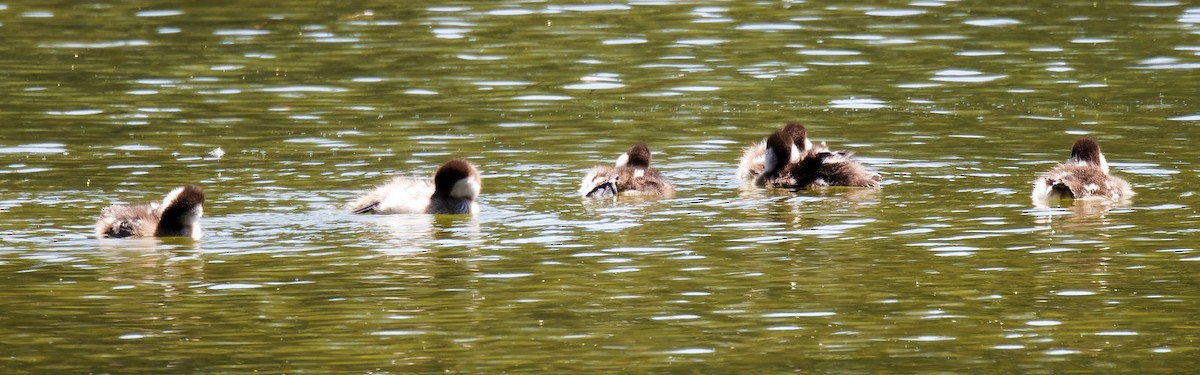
[{"x": 948, "y": 268}]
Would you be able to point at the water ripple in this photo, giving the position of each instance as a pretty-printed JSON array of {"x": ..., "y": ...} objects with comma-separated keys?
[
  {"x": 623, "y": 41},
  {"x": 159, "y": 13},
  {"x": 304, "y": 88},
  {"x": 397, "y": 333},
  {"x": 769, "y": 26},
  {"x": 802, "y": 314},
  {"x": 594, "y": 86},
  {"x": 963, "y": 75},
  {"x": 1191, "y": 15},
  {"x": 857, "y": 103},
  {"x": 241, "y": 32},
  {"x": 76, "y": 112},
  {"x": 542, "y": 97},
  {"x": 35, "y": 148},
  {"x": 829, "y": 52},
  {"x": 97, "y": 45},
  {"x": 234, "y": 286},
  {"x": 590, "y": 7},
  {"x": 927, "y": 338},
  {"x": 992, "y": 22},
  {"x": 895, "y": 12}
]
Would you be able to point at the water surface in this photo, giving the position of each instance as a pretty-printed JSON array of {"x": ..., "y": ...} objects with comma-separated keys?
[{"x": 948, "y": 268}]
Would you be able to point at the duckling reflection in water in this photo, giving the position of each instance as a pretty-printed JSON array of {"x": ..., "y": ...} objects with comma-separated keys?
[
  {"x": 631, "y": 175},
  {"x": 453, "y": 190},
  {"x": 177, "y": 216},
  {"x": 1090, "y": 216},
  {"x": 789, "y": 160},
  {"x": 1083, "y": 177}
]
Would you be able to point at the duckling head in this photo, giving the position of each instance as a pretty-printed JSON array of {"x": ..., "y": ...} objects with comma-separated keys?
[
  {"x": 1087, "y": 151},
  {"x": 638, "y": 156},
  {"x": 799, "y": 135},
  {"x": 457, "y": 178}
]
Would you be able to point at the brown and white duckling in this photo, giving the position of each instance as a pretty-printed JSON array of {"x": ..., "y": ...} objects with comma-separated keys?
[
  {"x": 819, "y": 167},
  {"x": 177, "y": 216},
  {"x": 754, "y": 157},
  {"x": 453, "y": 190},
  {"x": 631, "y": 175},
  {"x": 1084, "y": 176}
]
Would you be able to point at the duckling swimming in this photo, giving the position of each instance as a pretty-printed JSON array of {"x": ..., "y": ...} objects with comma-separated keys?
[
  {"x": 814, "y": 168},
  {"x": 177, "y": 216},
  {"x": 1084, "y": 176},
  {"x": 453, "y": 190},
  {"x": 631, "y": 175},
  {"x": 754, "y": 156}
]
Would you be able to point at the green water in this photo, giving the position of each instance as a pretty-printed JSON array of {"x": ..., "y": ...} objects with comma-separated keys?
[{"x": 948, "y": 269}]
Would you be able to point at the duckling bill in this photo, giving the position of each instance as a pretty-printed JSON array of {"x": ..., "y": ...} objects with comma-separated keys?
[
  {"x": 630, "y": 175},
  {"x": 454, "y": 188},
  {"x": 177, "y": 216}
]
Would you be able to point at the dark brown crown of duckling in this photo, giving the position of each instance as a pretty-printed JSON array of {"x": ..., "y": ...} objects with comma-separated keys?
[
  {"x": 639, "y": 156},
  {"x": 779, "y": 145},
  {"x": 1086, "y": 150},
  {"x": 449, "y": 174},
  {"x": 797, "y": 132}
]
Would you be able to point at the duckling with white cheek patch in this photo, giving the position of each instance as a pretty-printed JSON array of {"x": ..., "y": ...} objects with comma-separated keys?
[
  {"x": 631, "y": 175},
  {"x": 453, "y": 190},
  {"x": 177, "y": 216},
  {"x": 780, "y": 153},
  {"x": 754, "y": 157},
  {"x": 1084, "y": 176},
  {"x": 819, "y": 167}
]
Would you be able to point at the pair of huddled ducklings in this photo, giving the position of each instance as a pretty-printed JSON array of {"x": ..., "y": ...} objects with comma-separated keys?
[{"x": 785, "y": 159}]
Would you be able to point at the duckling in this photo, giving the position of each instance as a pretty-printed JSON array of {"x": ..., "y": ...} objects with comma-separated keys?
[
  {"x": 453, "y": 190},
  {"x": 754, "y": 156},
  {"x": 1084, "y": 176},
  {"x": 177, "y": 216},
  {"x": 819, "y": 167},
  {"x": 631, "y": 175}
]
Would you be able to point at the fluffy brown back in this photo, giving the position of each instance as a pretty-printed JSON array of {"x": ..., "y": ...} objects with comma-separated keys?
[
  {"x": 824, "y": 169},
  {"x": 1083, "y": 181},
  {"x": 119, "y": 221}
]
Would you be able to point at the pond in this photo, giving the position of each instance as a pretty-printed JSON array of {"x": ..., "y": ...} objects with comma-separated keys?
[{"x": 284, "y": 112}]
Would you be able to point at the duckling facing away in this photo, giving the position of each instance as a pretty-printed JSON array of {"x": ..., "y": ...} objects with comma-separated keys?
[
  {"x": 631, "y": 175},
  {"x": 177, "y": 216},
  {"x": 1083, "y": 176},
  {"x": 791, "y": 161},
  {"x": 453, "y": 190}
]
